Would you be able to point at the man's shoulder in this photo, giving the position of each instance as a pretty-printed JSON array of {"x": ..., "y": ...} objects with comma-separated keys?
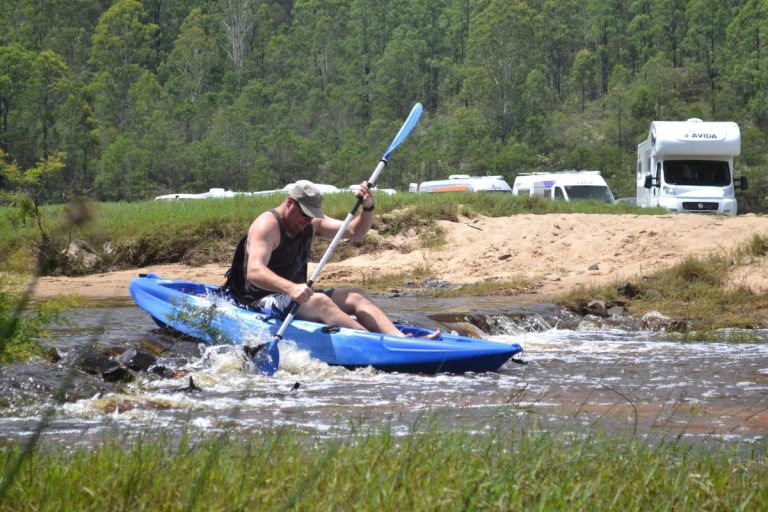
[{"x": 263, "y": 224}]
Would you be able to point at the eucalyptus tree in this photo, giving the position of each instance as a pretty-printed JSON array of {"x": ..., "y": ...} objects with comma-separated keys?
[
  {"x": 15, "y": 73},
  {"x": 747, "y": 60},
  {"x": 498, "y": 64},
  {"x": 121, "y": 47},
  {"x": 51, "y": 87},
  {"x": 399, "y": 77},
  {"x": 704, "y": 46},
  {"x": 584, "y": 75},
  {"x": 662, "y": 80},
  {"x": 608, "y": 29},
  {"x": 190, "y": 73},
  {"x": 672, "y": 27},
  {"x": 565, "y": 24},
  {"x": 238, "y": 20}
]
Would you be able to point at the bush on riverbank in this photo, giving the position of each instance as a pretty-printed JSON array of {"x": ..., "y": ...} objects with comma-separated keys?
[
  {"x": 694, "y": 291},
  {"x": 20, "y": 329}
]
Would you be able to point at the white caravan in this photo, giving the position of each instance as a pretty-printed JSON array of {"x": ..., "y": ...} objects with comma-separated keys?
[
  {"x": 569, "y": 185},
  {"x": 463, "y": 183},
  {"x": 687, "y": 166},
  {"x": 214, "y": 193}
]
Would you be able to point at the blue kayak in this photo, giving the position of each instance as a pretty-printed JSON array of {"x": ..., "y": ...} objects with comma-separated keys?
[{"x": 200, "y": 311}]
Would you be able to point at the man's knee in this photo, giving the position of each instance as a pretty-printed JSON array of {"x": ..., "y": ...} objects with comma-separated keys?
[{"x": 358, "y": 295}]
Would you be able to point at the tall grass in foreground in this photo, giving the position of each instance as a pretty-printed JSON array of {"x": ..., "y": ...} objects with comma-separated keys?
[{"x": 436, "y": 470}]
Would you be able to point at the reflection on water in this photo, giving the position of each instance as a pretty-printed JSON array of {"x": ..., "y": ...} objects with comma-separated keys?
[{"x": 623, "y": 381}]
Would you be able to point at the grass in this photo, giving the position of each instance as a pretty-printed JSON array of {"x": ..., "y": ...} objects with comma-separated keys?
[
  {"x": 431, "y": 469},
  {"x": 695, "y": 291},
  {"x": 205, "y": 231}
]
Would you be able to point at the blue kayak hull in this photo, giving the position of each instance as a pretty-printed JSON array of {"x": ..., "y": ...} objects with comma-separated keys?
[{"x": 198, "y": 310}]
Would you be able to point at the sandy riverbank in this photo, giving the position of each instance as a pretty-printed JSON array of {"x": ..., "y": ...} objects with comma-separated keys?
[{"x": 555, "y": 252}]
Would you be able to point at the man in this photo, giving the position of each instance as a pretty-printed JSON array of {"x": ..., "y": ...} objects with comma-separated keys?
[{"x": 270, "y": 265}]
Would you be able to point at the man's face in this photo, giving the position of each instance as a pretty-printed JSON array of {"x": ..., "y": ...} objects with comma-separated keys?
[{"x": 297, "y": 220}]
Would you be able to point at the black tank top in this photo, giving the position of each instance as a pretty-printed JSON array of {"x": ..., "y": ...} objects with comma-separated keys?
[{"x": 288, "y": 260}]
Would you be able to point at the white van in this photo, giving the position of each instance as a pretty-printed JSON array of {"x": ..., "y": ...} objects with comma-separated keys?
[
  {"x": 687, "y": 166},
  {"x": 463, "y": 183},
  {"x": 569, "y": 185}
]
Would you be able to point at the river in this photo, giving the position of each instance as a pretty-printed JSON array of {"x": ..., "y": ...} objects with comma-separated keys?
[{"x": 582, "y": 374}]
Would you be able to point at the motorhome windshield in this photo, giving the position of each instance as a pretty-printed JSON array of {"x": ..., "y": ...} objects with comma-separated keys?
[
  {"x": 593, "y": 192},
  {"x": 707, "y": 173}
]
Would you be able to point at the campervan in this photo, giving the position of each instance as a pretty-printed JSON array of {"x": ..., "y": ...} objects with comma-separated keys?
[
  {"x": 463, "y": 183},
  {"x": 567, "y": 185},
  {"x": 687, "y": 166},
  {"x": 214, "y": 193}
]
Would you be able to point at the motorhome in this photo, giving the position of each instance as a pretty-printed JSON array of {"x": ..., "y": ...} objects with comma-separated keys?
[
  {"x": 214, "y": 193},
  {"x": 687, "y": 166},
  {"x": 569, "y": 185},
  {"x": 463, "y": 183}
]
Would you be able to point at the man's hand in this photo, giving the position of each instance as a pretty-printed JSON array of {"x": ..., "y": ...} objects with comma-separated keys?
[
  {"x": 301, "y": 293},
  {"x": 365, "y": 194}
]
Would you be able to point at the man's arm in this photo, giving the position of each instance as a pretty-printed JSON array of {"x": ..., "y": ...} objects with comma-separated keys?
[
  {"x": 358, "y": 227},
  {"x": 263, "y": 239}
]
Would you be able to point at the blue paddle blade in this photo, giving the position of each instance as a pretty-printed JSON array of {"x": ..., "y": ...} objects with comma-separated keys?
[
  {"x": 413, "y": 118},
  {"x": 267, "y": 359}
]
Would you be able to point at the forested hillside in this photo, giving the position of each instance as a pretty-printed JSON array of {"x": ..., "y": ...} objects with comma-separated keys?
[{"x": 139, "y": 98}]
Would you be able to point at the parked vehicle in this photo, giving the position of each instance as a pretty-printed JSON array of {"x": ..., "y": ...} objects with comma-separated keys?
[
  {"x": 569, "y": 185},
  {"x": 688, "y": 166},
  {"x": 214, "y": 193},
  {"x": 463, "y": 183}
]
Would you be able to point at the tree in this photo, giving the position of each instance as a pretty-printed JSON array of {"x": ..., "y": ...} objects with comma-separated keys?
[
  {"x": 121, "y": 47},
  {"x": 122, "y": 171},
  {"x": 498, "y": 65},
  {"x": 618, "y": 90},
  {"x": 51, "y": 87},
  {"x": 238, "y": 19},
  {"x": 193, "y": 56},
  {"x": 747, "y": 59},
  {"x": 584, "y": 75},
  {"x": 400, "y": 81},
  {"x": 704, "y": 45},
  {"x": 662, "y": 79},
  {"x": 30, "y": 186},
  {"x": 15, "y": 71}
]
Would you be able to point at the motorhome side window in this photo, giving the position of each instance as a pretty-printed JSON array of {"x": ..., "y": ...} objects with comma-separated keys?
[
  {"x": 559, "y": 193},
  {"x": 658, "y": 172}
]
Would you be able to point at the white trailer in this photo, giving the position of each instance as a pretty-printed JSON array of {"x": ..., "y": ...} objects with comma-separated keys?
[
  {"x": 463, "y": 183},
  {"x": 687, "y": 166},
  {"x": 570, "y": 185}
]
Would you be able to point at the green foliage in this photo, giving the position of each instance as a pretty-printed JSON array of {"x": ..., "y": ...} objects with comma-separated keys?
[
  {"x": 157, "y": 97},
  {"x": 25, "y": 206},
  {"x": 22, "y": 330},
  {"x": 696, "y": 291}
]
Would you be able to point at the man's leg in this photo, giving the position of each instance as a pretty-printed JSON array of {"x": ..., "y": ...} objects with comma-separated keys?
[{"x": 356, "y": 301}]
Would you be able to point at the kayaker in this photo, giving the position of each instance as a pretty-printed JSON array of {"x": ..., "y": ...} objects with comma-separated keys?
[{"x": 269, "y": 268}]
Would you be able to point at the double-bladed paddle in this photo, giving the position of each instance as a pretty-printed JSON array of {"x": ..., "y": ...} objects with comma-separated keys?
[{"x": 267, "y": 358}]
